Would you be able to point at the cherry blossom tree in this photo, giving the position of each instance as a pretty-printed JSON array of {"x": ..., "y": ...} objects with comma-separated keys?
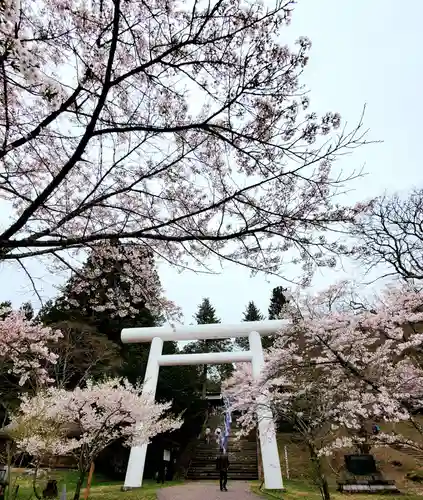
[
  {"x": 182, "y": 127},
  {"x": 338, "y": 366},
  {"x": 378, "y": 344},
  {"x": 296, "y": 395},
  {"x": 26, "y": 357},
  {"x": 24, "y": 348},
  {"x": 103, "y": 412}
]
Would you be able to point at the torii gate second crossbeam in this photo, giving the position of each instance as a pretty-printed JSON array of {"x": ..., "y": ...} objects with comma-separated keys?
[{"x": 157, "y": 335}]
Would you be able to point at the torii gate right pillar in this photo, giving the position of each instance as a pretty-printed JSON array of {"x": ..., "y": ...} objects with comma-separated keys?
[{"x": 266, "y": 427}]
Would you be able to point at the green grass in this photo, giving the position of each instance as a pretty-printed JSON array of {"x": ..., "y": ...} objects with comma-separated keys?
[
  {"x": 297, "y": 490},
  {"x": 101, "y": 488}
]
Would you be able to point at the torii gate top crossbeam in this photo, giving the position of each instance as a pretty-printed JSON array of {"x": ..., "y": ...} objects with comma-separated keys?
[{"x": 196, "y": 332}]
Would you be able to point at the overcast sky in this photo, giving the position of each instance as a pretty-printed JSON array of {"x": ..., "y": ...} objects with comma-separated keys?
[{"x": 364, "y": 52}]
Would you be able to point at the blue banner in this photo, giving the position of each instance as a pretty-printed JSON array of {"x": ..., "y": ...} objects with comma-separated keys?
[
  {"x": 225, "y": 443},
  {"x": 228, "y": 421}
]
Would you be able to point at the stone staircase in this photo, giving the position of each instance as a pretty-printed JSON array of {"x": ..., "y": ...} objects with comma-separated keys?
[{"x": 243, "y": 464}]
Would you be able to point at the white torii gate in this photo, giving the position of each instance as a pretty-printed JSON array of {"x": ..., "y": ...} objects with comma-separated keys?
[{"x": 157, "y": 335}]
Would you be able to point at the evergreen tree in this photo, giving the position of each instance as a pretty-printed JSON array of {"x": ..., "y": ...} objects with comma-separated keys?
[
  {"x": 84, "y": 351},
  {"x": 28, "y": 310},
  {"x": 108, "y": 294},
  {"x": 251, "y": 313},
  {"x": 277, "y": 301},
  {"x": 205, "y": 315},
  {"x": 5, "y": 308}
]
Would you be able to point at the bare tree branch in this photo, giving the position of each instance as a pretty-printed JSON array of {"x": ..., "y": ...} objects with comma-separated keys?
[{"x": 392, "y": 234}]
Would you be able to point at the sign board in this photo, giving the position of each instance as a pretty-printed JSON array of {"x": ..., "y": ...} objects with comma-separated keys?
[{"x": 166, "y": 455}]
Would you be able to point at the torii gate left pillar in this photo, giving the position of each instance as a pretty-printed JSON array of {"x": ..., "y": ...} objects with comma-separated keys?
[{"x": 252, "y": 329}]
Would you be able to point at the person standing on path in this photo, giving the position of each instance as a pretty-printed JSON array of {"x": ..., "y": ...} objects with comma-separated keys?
[
  {"x": 217, "y": 435},
  {"x": 207, "y": 434},
  {"x": 222, "y": 465},
  {"x": 161, "y": 473}
]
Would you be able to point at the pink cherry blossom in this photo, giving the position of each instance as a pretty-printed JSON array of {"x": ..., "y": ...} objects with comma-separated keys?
[
  {"x": 103, "y": 412},
  {"x": 118, "y": 280},
  {"x": 24, "y": 348},
  {"x": 348, "y": 365},
  {"x": 146, "y": 122}
]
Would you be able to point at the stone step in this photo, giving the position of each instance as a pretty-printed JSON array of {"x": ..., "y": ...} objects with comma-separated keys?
[
  {"x": 232, "y": 438},
  {"x": 250, "y": 460},
  {"x": 233, "y": 467},
  {"x": 231, "y": 477},
  {"x": 201, "y": 473},
  {"x": 214, "y": 453},
  {"x": 212, "y": 449},
  {"x": 242, "y": 453},
  {"x": 234, "y": 453},
  {"x": 207, "y": 449},
  {"x": 239, "y": 460},
  {"x": 232, "y": 456},
  {"x": 245, "y": 477},
  {"x": 232, "y": 459},
  {"x": 231, "y": 446}
]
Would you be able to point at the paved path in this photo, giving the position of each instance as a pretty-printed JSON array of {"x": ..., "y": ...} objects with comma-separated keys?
[{"x": 237, "y": 490}]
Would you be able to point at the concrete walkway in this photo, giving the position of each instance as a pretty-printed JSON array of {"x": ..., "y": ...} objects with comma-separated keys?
[{"x": 237, "y": 490}]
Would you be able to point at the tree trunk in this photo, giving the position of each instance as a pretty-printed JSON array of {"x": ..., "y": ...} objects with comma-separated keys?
[
  {"x": 79, "y": 485},
  {"x": 320, "y": 475},
  {"x": 363, "y": 448},
  {"x": 204, "y": 388},
  {"x": 325, "y": 488}
]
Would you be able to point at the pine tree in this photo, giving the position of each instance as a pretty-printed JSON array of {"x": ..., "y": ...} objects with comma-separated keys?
[
  {"x": 206, "y": 315},
  {"x": 277, "y": 301},
  {"x": 251, "y": 313},
  {"x": 107, "y": 295}
]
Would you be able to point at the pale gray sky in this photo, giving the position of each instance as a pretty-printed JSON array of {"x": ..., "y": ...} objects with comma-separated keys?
[{"x": 364, "y": 52}]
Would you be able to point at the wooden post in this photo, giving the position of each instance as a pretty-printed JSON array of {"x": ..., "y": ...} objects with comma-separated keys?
[
  {"x": 90, "y": 476},
  {"x": 286, "y": 462}
]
